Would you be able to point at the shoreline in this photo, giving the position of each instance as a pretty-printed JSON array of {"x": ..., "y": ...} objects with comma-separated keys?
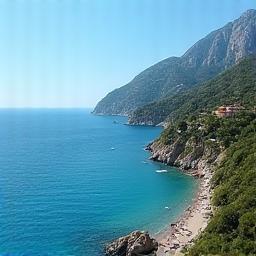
[{"x": 181, "y": 233}]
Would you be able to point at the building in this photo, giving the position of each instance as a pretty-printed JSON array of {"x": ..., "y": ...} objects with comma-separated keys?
[{"x": 227, "y": 111}]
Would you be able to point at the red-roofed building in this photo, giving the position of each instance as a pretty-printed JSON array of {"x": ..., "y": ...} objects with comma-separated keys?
[{"x": 227, "y": 111}]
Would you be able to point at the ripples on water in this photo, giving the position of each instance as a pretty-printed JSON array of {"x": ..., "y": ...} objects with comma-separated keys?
[{"x": 65, "y": 191}]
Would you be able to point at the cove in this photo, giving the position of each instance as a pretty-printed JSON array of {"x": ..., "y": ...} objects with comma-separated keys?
[{"x": 71, "y": 181}]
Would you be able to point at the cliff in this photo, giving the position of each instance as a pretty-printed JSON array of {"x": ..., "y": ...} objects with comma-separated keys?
[{"x": 191, "y": 153}]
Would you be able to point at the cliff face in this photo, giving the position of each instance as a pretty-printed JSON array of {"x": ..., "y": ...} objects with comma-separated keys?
[
  {"x": 194, "y": 157},
  {"x": 226, "y": 46},
  {"x": 209, "y": 56},
  {"x": 242, "y": 39}
]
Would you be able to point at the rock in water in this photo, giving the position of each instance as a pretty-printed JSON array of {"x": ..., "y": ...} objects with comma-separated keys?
[{"x": 135, "y": 244}]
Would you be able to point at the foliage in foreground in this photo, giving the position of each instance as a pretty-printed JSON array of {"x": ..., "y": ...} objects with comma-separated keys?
[{"x": 232, "y": 229}]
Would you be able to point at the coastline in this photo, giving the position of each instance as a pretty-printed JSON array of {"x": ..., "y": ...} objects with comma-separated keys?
[
  {"x": 181, "y": 233},
  {"x": 190, "y": 224}
]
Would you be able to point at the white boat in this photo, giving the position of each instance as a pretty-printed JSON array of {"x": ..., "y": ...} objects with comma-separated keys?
[{"x": 161, "y": 171}]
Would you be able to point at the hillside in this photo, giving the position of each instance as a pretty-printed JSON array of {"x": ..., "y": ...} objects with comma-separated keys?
[
  {"x": 209, "y": 56},
  {"x": 200, "y": 143},
  {"x": 231, "y": 231},
  {"x": 234, "y": 86},
  {"x": 226, "y": 148}
]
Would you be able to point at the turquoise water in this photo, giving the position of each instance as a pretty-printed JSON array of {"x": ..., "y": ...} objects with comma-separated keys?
[{"x": 64, "y": 191}]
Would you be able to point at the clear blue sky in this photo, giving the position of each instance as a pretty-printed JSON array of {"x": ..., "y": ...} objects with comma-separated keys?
[{"x": 70, "y": 53}]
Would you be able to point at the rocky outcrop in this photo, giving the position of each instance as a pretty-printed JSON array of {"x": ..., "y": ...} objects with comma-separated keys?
[
  {"x": 137, "y": 243},
  {"x": 191, "y": 156},
  {"x": 166, "y": 153},
  {"x": 242, "y": 38}
]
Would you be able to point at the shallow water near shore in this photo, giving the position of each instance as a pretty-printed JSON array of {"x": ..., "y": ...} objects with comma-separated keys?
[{"x": 71, "y": 181}]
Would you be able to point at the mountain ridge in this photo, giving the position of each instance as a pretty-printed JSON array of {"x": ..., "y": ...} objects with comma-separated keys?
[
  {"x": 212, "y": 54},
  {"x": 229, "y": 87}
]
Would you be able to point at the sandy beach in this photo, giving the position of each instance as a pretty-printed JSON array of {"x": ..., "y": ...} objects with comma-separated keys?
[{"x": 182, "y": 233}]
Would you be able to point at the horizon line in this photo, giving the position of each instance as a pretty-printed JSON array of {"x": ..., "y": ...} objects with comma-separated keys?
[{"x": 46, "y": 107}]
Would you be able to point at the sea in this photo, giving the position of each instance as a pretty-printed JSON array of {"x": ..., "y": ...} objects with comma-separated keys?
[{"x": 70, "y": 182}]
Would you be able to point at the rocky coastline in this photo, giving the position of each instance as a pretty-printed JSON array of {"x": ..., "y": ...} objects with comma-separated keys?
[
  {"x": 199, "y": 161},
  {"x": 181, "y": 234}
]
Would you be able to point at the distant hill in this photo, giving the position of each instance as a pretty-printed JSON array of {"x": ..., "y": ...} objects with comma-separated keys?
[
  {"x": 236, "y": 85},
  {"x": 211, "y": 55}
]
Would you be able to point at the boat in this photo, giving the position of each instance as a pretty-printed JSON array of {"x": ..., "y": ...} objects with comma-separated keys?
[{"x": 161, "y": 171}]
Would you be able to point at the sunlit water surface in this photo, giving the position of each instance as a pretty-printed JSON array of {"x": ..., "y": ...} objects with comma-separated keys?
[{"x": 71, "y": 181}]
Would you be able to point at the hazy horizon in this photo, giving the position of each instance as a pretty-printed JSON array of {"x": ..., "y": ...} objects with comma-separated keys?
[{"x": 71, "y": 54}]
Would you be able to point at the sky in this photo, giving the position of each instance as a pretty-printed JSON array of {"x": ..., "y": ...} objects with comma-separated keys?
[{"x": 71, "y": 53}]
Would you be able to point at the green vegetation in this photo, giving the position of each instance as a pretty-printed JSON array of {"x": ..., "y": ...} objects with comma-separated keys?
[
  {"x": 234, "y": 86},
  {"x": 232, "y": 229},
  {"x": 224, "y": 131},
  {"x": 163, "y": 78}
]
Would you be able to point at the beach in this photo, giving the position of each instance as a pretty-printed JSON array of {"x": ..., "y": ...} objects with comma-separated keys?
[{"x": 194, "y": 220}]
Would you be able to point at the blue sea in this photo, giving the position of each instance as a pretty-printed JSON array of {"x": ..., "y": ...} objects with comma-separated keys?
[{"x": 71, "y": 181}]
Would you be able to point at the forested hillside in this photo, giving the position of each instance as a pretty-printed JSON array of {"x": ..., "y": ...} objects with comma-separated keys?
[
  {"x": 232, "y": 229},
  {"x": 196, "y": 135},
  {"x": 234, "y": 86}
]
